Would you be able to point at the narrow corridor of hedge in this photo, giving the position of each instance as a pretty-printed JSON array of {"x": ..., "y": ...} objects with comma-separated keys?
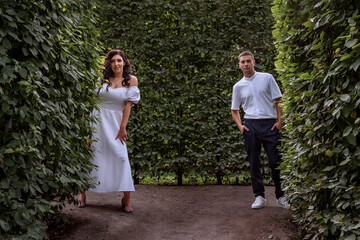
[
  {"x": 48, "y": 52},
  {"x": 319, "y": 66}
]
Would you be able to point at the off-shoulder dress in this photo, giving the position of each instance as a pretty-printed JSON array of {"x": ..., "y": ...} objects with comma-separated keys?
[{"x": 113, "y": 170}]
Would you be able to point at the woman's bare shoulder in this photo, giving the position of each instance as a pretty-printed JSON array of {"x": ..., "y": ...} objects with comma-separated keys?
[{"x": 133, "y": 81}]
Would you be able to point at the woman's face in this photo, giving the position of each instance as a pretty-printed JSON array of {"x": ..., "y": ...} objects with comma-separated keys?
[{"x": 117, "y": 64}]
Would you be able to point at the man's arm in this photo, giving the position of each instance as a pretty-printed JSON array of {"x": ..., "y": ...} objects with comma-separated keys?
[
  {"x": 237, "y": 119},
  {"x": 280, "y": 121}
]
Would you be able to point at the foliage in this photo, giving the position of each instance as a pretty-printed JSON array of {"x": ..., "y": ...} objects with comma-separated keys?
[
  {"x": 193, "y": 179},
  {"x": 48, "y": 52},
  {"x": 184, "y": 54},
  {"x": 318, "y": 63}
]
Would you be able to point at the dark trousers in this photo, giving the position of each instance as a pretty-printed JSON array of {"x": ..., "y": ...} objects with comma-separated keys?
[{"x": 260, "y": 134}]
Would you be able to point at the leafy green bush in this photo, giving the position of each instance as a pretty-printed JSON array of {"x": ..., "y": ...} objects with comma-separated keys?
[
  {"x": 48, "y": 52},
  {"x": 185, "y": 57},
  {"x": 319, "y": 66}
]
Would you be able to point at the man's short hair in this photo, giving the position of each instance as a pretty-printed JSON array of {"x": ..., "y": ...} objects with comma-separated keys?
[{"x": 246, "y": 53}]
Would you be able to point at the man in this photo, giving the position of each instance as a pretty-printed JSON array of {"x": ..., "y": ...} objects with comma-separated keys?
[{"x": 258, "y": 94}]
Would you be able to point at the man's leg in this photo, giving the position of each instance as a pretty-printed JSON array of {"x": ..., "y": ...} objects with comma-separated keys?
[
  {"x": 253, "y": 149},
  {"x": 271, "y": 142}
]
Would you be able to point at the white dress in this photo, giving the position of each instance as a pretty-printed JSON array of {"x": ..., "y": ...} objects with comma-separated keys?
[{"x": 113, "y": 172}]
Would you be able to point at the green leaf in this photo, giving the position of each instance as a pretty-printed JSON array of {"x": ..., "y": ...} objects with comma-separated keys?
[
  {"x": 4, "y": 225},
  {"x": 350, "y": 237},
  {"x": 346, "y": 161},
  {"x": 26, "y": 83},
  {"x": 355, "y": 64},
  {"x": 42, "y": 125},
  {"x": 305, "y": 76},
  {"x": 322, "y": 21},
  {"x": 309, "y": 24},
  {"x": 344, "y": 97},
  {"x": 5, "y": 107},
  {"x": 351, "y": 43},
  {"x": 9, "y": 150},
  {"x": 346, "y": 56},
  {"x": 352, "y": 22},
  {"x": 22, "y": 113},
  {"x": 34, "y": 51},
  {"x": 28, "y": 39},
  {"x": 351, "y": 139},
  {"x": 329, "y": 168},
  {"x": 23, "y": 73},
  {"x": 340, "y": 18},
  {"x": 6, "y": 43},
  {"x": 347, "y": 110},
  {"x": 347, "y": 131}
]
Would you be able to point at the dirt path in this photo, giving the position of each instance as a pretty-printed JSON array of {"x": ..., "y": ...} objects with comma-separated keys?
[{"x": 179, "y": 213}]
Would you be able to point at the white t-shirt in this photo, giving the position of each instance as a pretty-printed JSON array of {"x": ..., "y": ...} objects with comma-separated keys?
[{"x": 256, "y": 96}]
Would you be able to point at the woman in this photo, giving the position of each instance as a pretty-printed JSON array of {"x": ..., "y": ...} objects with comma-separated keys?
[{"x": 118, "y": 92}]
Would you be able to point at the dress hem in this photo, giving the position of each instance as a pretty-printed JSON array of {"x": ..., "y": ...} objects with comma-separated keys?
[{"x": 91, "y": 190}]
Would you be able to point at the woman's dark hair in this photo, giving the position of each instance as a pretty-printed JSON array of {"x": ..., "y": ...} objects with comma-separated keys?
[{"x": 107, "y": 72}]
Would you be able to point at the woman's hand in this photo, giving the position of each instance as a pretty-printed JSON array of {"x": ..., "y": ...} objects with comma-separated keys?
[{"x": 122, "y": 135}]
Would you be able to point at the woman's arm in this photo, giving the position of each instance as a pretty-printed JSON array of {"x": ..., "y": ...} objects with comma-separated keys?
[{"x": 122, "y": 134}]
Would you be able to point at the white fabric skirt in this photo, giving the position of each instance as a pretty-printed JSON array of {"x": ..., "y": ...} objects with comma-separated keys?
[{"x": 113, "y": 172}]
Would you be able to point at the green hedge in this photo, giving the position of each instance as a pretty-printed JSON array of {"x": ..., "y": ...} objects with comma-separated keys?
[
  {"x": 185, "y": 57},
  {"x": 48, "y": 52},
  {"x": 319, "y": 66}
]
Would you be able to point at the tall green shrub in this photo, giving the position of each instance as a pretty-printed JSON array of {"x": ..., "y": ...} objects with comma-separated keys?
[
  {"x": 319, "y": 66},
  {"x": 184, "y": 54},
  {"x": 48, "y": 52}
]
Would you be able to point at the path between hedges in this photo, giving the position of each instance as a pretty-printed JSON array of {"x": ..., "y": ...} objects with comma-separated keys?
[{"x": 179, "y": 213}]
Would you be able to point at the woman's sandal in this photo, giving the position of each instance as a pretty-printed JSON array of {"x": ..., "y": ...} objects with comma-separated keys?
[
  {"x": 126, "y": 209},
  {"x": 82, "y": 203}
]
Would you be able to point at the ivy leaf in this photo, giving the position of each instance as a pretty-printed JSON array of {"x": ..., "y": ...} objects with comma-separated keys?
[
  {"x": 305, "y": 76},
  {"x": 329, "y": 168},
  {"x": 340, "y": 18},
  {"x": 4, "y": 225},
  {"x": 350, "y": 237},
  {"x": 351, "y": 43},
  {"x": 6, "y": 43},
  {"x": 347, "y": 131},
  {"x": 351, "y": 139},
  {"x": 23, "y": 72},
  {"x": 355, "y": 65},
  {"x": 26, "y": 83},
  {"x": 345, "y": 162},
  {"x": 309, "y": 24},
  {"x": 346, "y": 56},
  {"x": 344, "y": 97},
  {"x": 9, "y": 150},
  {"x": 347, "y": 110},
  {"x": 322, "y": 21}
]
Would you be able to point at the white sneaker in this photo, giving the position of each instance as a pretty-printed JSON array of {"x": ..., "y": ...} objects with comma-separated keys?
[
  {"x": 260, "y": 202},
  {"x": 281, "y": 202}
]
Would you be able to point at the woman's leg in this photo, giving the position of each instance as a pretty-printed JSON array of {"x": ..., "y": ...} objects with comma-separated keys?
[
  {"x": 82, "y": 199},
  {"x": 126, "y": 203}
]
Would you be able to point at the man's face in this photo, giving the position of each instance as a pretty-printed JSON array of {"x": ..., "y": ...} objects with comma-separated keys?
[{"x": 246, "y": 64}]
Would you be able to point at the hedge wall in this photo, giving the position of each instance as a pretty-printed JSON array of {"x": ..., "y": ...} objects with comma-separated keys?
[
  {"x": 48, "y": 52},
  {"x": 319, "y": 66},
  {"x": 184, "y": 54}
]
